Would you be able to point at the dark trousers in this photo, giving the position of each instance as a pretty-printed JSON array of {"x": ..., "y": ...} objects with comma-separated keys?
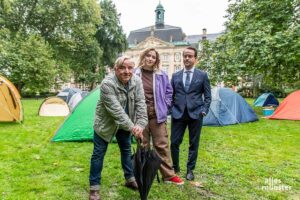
[
  {"x": 178, "y": 127},
  {"x": 100, "y": 147}
]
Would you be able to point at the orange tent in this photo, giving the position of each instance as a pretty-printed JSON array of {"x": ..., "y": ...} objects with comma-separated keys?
[
  {"x": 10, "y": 102},
  {"x": 289, "y": 108}
]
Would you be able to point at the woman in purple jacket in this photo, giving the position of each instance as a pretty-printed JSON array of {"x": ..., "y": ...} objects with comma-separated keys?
[{"x": 158, "y": 95}]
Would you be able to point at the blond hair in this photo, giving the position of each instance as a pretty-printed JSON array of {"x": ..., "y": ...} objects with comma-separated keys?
[
  {"x": 120, "y": 60},
  {"x": 143, "y": 55}
]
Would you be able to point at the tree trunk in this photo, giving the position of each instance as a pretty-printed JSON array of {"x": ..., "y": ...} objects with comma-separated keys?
[
  {"x": 20, "y": 87},
  {"x": 93, "y": 85}
]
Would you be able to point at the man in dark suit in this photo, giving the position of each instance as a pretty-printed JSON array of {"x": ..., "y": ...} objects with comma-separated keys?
[{"x": 191, "y": 101}]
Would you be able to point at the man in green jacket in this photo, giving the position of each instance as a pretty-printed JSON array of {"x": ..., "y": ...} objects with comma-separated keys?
[{"x": 120, "y": 112}]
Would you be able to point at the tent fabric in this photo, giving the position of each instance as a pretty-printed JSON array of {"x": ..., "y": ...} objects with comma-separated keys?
[
  {"x": 54, "y": 106},
  {"x": 75, "y": 99},
  {"x": 10, "y": 102},
  {"x": 289, "y": 108},
  {"x": 79, "y": 124},
  {"x": 266, "y": 99},
  {"x": 67, "y": 93},
  {"x": 228, "y": 107}
]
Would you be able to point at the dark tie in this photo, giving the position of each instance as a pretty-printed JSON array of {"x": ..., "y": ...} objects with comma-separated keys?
[{"x": 187, "y": 81}]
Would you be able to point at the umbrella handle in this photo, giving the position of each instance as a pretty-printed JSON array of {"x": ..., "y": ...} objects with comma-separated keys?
[{"x": 140, "y": 142}]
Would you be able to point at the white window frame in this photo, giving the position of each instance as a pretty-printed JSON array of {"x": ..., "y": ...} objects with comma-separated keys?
[
  {"x": 177, "y": 57},
  {"x": 165, "y": 57}
]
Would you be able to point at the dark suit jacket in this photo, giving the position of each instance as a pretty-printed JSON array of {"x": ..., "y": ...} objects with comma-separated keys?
[{"x": 193, "y": 98}]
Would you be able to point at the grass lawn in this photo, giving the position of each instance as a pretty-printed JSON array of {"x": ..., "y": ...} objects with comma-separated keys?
[{"x": 246, "y": 161}]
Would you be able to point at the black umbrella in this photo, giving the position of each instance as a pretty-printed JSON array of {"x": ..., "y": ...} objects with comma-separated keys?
[{"x": 146, "y": 163}]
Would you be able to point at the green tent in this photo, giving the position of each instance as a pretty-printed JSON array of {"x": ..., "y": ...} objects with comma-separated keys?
[{"x": 79, "y": 124}]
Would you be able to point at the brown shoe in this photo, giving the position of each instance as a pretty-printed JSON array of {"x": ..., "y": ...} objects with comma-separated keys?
[
  {"x": 132, "y": 185},
  {"x": 94, "y": 195}
]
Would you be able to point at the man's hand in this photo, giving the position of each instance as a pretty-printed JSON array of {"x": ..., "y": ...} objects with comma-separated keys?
[{"x": 137, "y": 131}]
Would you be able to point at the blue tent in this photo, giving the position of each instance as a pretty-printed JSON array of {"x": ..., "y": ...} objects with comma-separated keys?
[
  {"x": 266, "y": 99},
  {"x": 228, "y": 107}
]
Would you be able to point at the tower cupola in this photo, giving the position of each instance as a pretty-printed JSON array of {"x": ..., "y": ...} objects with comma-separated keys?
[{"x": 159, "y": 15}]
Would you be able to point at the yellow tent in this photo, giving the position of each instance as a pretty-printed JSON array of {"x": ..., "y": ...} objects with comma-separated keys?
[{"x": 10, "y": 102}]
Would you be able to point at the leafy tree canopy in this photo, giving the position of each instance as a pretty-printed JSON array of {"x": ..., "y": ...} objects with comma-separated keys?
[
  {"x": 261, "y": 44},
  {"x": 110, "y": 34},
  {"x": 66, "y": 27}
]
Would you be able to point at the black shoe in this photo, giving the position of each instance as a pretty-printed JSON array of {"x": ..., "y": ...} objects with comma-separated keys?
[
  {"x": 190, "y": 175},
  {"x": 94, "y": 195},
  {"x": 132, "y": 185},
  {"x": 176, "y": 170}
]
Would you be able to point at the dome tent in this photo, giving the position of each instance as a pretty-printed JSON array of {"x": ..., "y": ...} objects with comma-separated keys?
[
  {"x": 54, "y": 106},
  {"x": 76, "y": 98},
  {"x": 266, "y": 99},
  {"x": 78, "y": 126},
  {"x": 10, "y": 102},
  {"x": 67, "y": 93},
  {"x": 228, "y": 107},
  {"x": 289, "y": 108}
]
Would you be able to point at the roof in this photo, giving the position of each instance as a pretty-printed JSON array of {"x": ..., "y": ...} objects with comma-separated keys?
[
  {"x": 196, "y": 38},
  {"x": 164, "y": 32},
  {"x": 180, "y": 43},
  {"x": 193, "y": 40},
  {"x": 159, "y": 6}
]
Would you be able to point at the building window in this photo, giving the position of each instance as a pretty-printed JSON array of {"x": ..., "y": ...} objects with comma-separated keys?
[
  {"x": 165, "y": 57},
  {"x": 177, "y": 68},
  {"x": 177, "y": 57},
  {"x": 165, "y": 68}
]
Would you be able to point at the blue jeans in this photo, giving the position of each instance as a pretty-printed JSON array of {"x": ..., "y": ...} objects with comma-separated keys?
[{"x": 100, "y": 147}]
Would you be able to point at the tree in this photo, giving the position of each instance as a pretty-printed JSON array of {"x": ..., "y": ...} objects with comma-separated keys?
[
  {"x": 261, "y": 42},
  {"x": 110, "y": 35},
  {"x": 217, "y": 58},
  {"x": 27, "y": 61},
  {"x": 67, "y": 27}
]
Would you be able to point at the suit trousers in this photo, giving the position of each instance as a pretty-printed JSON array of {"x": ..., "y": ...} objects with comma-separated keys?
[
  {"x": 159, "y": 135},
  {"x": 178, "y": 127}
]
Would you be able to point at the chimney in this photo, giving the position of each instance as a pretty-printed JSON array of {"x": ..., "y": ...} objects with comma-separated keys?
[
  {"x": 152, "y": 31},
  {"x": 204, "y": 34}
]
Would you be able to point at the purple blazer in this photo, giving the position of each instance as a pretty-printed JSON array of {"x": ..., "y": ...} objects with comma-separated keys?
[{"x": 163, "y": 93}]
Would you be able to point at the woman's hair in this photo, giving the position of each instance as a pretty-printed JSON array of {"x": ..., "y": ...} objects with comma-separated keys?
[
  {"x": 143, "y": 55},
  {"x": 120, "y": 60}
]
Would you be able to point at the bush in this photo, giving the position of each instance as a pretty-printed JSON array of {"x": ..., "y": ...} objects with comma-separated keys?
[
  {"x": 31, "y": 94},
  {"x": 278, "y": 93},
  {"x": 248, "y": 92}
]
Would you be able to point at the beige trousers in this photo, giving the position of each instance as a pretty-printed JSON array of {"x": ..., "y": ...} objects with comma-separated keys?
[{"x": 159, "y": 135}]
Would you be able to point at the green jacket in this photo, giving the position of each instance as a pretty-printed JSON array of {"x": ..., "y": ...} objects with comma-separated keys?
[{"x": 110, "y": 114}]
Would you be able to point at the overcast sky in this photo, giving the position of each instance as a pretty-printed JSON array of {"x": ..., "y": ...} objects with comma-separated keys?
[{"x": 191, "y": 15}]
